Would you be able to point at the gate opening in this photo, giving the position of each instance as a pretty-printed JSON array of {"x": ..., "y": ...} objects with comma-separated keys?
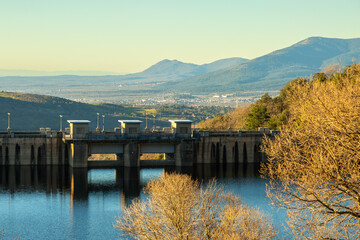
[
  {"x": 156, "y": 156},
  {"x": 102, "y": 157}
]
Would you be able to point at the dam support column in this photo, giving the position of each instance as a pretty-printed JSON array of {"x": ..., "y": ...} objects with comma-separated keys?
[
  {"x": 131, "y": 155},
  {"x": 79, "y": 149},
  {"x": 79, "y": 154},
  {"x": 184, "y": 153}
]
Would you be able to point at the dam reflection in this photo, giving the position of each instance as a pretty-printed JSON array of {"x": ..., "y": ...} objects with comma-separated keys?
[{"x": 78, "y": 183}]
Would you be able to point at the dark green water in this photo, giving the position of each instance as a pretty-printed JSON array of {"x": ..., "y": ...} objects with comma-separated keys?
[{"x": 65, "y": 203}]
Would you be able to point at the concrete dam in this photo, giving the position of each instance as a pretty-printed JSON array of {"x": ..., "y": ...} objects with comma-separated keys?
[{"x": 181, "y": 145}]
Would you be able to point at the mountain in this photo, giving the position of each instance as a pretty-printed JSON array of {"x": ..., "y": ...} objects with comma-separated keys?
[
  {"x": 172, "y": 67},
  {"x": 167, "y": 70},
  {"x": 223, "y": 63},
  {"x": 175, "y": 67},
  {"x": 272, "y": 71},
  {"x": 170, "y": 78},
  {"x": 111, "y": 87}
]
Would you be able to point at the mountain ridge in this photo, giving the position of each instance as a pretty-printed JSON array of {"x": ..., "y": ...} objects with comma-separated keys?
[
  {"x": 273, "y": 70},
  {"x": 269, "y": 72}
]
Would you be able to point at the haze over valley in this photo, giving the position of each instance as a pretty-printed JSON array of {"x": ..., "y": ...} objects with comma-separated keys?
[{"x": 230, "y": 81}]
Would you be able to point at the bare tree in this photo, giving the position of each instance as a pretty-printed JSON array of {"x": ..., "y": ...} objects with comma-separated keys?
[
  {"x": 178, "y": 208},
  {"x": 313, "y": 164}
]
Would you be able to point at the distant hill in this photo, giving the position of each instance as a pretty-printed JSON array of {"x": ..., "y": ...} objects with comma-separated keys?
[
  {"x": 167, "y": 70},
  {"x": 175, "y": 67},
  {"x": 172, "y": 67},
  {"x": 273, "y": 70},
  {"x": 32, "y": 111}
]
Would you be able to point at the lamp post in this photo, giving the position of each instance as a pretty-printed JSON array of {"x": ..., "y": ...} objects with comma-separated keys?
[
  {"x": 97, "y": 123},
  {"x": 8, "y": 128},
  {"x": 103, "y": 129},
  {"x": 61, "y": 123},
  {"x": 154, "y": 123},
  {"x": 229, "y": 124},
  {"x": 146, "y": 126}
]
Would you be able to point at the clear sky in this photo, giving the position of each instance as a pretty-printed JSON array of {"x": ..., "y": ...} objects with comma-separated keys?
[{"x": 130, "y": 35}]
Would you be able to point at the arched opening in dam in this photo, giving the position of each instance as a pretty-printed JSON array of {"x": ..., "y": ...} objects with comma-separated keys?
[
  {"x": 236, "y": 153},
  {"x": 32, "y": 155},
  {"x": 6, "y": 156},
  {"x": 224, "y": 159},
  {"x": 245, "y": 156},
  {"x": 39, "y": 157}
]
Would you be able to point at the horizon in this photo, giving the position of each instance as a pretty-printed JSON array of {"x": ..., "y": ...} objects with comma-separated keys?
[
  {"x": 127, "y": 37},
  {"x": 40, "y": 73}
]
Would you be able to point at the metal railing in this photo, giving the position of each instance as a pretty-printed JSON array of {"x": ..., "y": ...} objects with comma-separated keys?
[
  {"x": 149, "y": 135},
  {"x": 30, "y": 134},
  {"x": 114, "y": 135}
]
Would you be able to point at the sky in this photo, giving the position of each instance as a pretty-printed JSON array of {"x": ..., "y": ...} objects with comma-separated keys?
[{"x": 125, "y": 36}]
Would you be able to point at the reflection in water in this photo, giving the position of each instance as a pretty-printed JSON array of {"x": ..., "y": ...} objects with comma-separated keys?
[
  {"x": 80, "y": 181},
  {"x": 50, "y": 179},
  {"x": 77, "y": 203}
]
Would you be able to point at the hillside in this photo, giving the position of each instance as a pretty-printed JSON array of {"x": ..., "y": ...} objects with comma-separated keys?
[
  {"x": 31, "y": 111},
  {"x": 274, "y": 112},
  {"x": 272, "y": 71}
]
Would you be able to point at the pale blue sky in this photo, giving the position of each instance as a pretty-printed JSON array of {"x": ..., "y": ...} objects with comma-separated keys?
[{"x": 129, "y": 36}]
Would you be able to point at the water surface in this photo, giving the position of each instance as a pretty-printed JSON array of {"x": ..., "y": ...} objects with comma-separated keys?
[{"x": 57, "y": 202}]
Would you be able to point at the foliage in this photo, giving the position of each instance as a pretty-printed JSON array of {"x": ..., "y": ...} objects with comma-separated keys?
[
  {"x": 152, "y": 156},
  {"x": 314, "y": 163},
  {"x": 177, "y": 208},
  {"x": 266, "y": 112},
  {"x": 105, "y": 157},
  {"x": 257, "y": 117},
  {"x": 235, "y": 119}
]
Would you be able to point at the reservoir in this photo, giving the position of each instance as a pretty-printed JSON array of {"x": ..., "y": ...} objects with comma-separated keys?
[{"x": 59, "y": 202}]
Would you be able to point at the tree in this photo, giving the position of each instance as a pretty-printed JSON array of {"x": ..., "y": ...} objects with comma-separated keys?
[
  {"x": 314, "y": 163},
  {"x": 257, "y": 117},
  {"x": 235, "y": 119},
  {"x": 178, "y": 208}
]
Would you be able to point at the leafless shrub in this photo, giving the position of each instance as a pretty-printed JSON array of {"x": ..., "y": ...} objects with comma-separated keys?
[{"x": 178, "y": 208}]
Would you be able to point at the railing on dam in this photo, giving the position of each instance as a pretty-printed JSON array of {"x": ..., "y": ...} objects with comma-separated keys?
[
  {"x": 154, "y": 135},
  {"x": 143, "y": 135},
  {"x": 30, "y": 134},
  {"x": 111, "y": 135}
]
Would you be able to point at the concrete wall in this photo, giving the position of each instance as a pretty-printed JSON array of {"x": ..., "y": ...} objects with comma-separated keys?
[
  {"x": 225, "y": 149},
  {"x": 127, "y": 127},
  {"x": 36, "y": 150},
  {"x": 181, "y": 128},
  {"x": 79, "y": 130}
]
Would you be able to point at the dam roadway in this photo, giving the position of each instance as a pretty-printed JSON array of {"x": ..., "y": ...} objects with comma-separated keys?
[{"x": 181, "y": 145}]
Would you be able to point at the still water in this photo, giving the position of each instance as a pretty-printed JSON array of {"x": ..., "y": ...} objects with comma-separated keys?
[{"x": 63, "y": 203}]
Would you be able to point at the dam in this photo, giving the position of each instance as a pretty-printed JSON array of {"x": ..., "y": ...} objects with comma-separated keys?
[{"x": 181, "y": 145}]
